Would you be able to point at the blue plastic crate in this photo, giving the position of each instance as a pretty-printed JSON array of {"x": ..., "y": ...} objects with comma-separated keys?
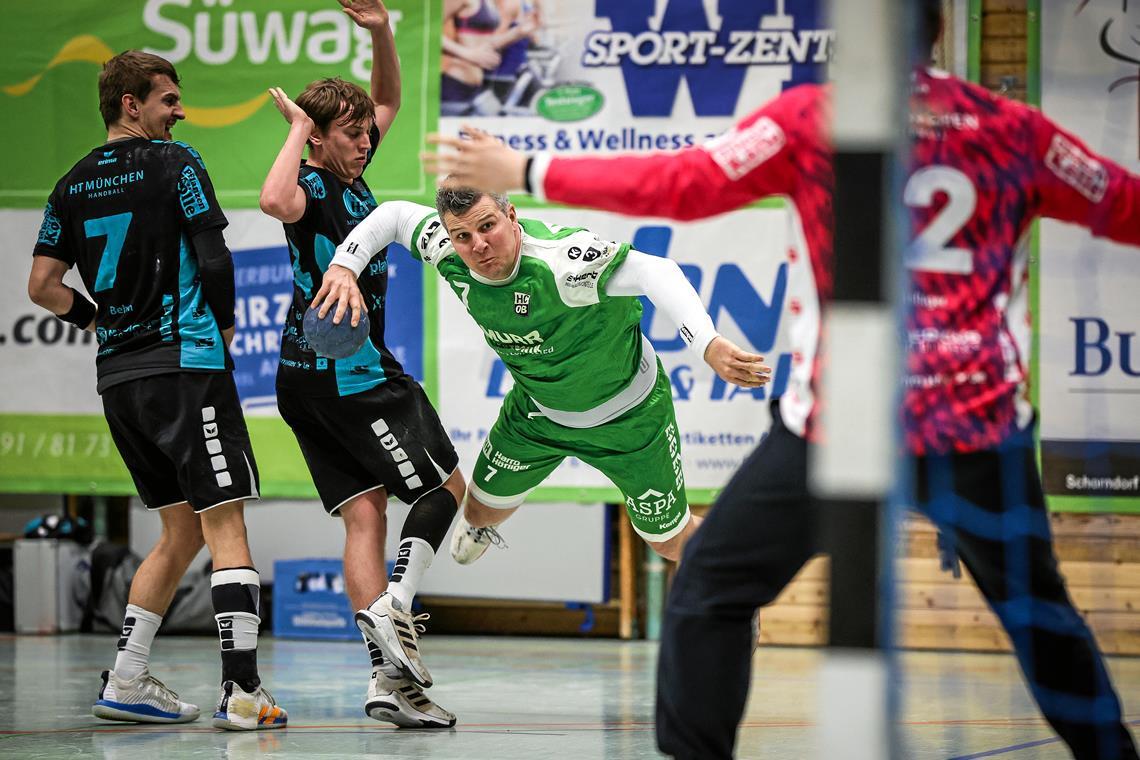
[{"x": 309, "y": 600}]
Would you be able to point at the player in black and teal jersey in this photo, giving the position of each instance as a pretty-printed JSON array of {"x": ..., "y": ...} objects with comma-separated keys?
[
  {"x": 365, "y": 427},
  {"x": 138, "y": 218}
]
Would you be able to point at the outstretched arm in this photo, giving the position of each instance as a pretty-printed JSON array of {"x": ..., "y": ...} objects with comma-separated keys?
[
  {"x": 391, "y": 222},
  {"x": 687, "y": 184},
  {"x": 763, "y": 155},
  {"x": 1076, "y": 185},
  {"x": 385, "y": 90},
  {"x": 663, "y": 283}
]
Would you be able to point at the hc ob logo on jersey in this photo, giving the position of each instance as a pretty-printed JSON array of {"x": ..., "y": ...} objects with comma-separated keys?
[{"x": 656, "y": 45}]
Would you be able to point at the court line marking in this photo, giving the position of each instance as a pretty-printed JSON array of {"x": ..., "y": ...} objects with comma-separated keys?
[{"x": 1026, "y": 745}]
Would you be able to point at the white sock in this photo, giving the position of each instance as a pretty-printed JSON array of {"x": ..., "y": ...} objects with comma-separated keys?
[
  {"x": 412, "y": 558},
  {"x": 139, "y": 628}
]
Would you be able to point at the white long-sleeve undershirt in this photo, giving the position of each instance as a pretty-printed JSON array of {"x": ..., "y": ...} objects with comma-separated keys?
[
  {"x": 662, "y": 282},
  {"x": 640, "y": 274}
]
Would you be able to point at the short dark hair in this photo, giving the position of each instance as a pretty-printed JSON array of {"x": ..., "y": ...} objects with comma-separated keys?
[
  {"x": 929, "y": 23},
  {"x": 333, "y": 99},
  {"x": 457, "y": 200},
  {"x": 130, "y": 72}
]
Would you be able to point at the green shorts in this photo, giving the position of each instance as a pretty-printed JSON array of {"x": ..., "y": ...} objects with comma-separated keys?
[{"x": 639, "y": 451}]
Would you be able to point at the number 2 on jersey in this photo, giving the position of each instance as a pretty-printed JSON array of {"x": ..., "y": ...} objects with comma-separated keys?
[
  {"x": 930, "y": 251},
  {"x": 114, "y": 227}
]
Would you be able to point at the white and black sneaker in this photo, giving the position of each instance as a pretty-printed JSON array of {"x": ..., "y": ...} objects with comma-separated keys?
[
  {"x": 240, "y": 710},
  {"x": 398, "y": 700},
  {"x": 468, "y": 544},
  {"x": 396, "y": 633},
  {"x": 142, "y": 699}
]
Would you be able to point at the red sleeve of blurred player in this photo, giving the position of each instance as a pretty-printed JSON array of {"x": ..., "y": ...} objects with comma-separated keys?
[
  {"x": 1076, "y": 185},
  {"x": 752, "y": 160}
]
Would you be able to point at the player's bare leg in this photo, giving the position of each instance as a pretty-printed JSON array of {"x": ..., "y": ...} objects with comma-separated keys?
[
  {"x": 155, "y": 581},
  {"x": 672, "y": 548},
  {"x": 476, "y": 529},
  {"x": 365, "y": 530}
]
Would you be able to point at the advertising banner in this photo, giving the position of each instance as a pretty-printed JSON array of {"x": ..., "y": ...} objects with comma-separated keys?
[
  {"x": 623, "y": 75},
  {"x": 1090, "y": 358},
  {"x": 595, "y": 76},
  {"x": 52, "y": 433},
  {"x": 611, "y": 76},
  {"x": 227, "y": 54}
]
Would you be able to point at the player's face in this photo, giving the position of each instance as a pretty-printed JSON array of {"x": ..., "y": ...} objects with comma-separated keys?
[
  {"x": 162, "y": 108},
  {"x": 486, "y": 238},
  {"x": 344, "y": 148}
]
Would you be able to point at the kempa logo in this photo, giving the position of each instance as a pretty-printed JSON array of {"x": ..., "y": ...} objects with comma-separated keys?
[
  {"x": 218, "y": 32},
  {"x": 658, "y": 43}
]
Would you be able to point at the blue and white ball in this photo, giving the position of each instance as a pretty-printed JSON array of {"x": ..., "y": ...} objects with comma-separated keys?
[{"x": 335, "y": 341}]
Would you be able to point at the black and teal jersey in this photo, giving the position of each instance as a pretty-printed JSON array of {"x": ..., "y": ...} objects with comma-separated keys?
[
  {"x": 124, "y": 216},
  {"x": 332, "y": 209}
]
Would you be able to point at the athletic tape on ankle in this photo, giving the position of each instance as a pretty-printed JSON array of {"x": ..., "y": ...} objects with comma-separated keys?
[
  {"x": 237, "y": 631},
  {"x": 244, "y": 575}
]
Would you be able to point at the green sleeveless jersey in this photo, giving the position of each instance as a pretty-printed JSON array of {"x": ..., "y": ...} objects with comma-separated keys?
[{"x": 576, "y": 352}]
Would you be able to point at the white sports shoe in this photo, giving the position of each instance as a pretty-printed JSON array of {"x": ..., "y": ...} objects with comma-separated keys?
[
  {"x": 239, "y": 710},
  {"x": 396, "y": 633},
  {"x": 143, "y": 699},
  {"x": 400, "y": 701},
  {"x": 468, "y": 544}
]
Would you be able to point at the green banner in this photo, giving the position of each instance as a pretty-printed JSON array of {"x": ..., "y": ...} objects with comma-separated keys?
[
  {"x": 50, "y": 453},
  {"x": 227, "y": 54}
]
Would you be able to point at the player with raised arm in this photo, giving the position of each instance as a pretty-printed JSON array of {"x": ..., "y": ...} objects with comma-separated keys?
[
  {"x": 137, "y": 216},
  {"x": 559, "y": 306},
  {"x": 968, "y": 424},
  {"x": 365, "y": 427}
]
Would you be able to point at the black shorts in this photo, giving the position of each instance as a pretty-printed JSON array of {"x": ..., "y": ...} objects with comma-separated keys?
[
  {"x": 183, "y": 438},
  {"x": 387, "y": 437}
]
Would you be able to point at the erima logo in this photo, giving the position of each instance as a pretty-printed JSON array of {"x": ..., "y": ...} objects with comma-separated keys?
[{"x": 658, "y": 43}]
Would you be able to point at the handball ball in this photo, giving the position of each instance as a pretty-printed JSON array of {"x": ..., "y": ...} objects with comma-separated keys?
[{"x": 335, "y": 341}]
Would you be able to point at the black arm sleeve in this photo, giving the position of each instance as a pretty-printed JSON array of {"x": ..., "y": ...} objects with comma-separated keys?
[{"x": 217, "y": 271}]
